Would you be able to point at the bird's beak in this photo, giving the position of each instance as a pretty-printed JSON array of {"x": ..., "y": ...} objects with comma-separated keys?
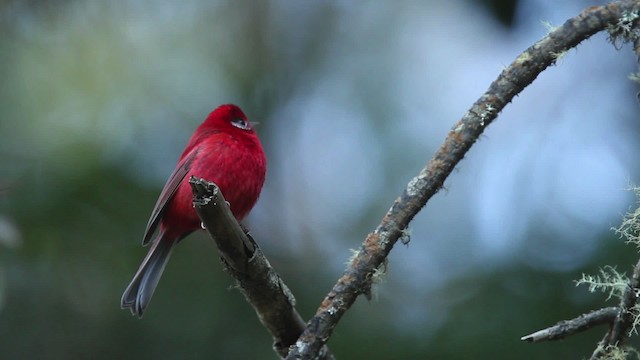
[{"x": 254, "y": 123}]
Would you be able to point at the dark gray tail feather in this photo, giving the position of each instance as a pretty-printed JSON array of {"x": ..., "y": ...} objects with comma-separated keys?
[{"x": 138, "y": 294}]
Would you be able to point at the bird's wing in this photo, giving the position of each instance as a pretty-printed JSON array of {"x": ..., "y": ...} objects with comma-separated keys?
[{"x": 167, "y": 193}]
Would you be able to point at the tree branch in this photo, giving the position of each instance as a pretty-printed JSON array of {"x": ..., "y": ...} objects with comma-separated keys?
[
  {"x": 622, "y": 320},
  {"x": 569, "y": 327},
  {"x": 625, "y": 318},
  {"x": 243, "y": 260},
  {"x": 357, "y": 277}
]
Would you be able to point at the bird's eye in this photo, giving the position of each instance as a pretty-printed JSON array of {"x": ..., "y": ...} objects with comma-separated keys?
[{"x": 241, "y": 124}]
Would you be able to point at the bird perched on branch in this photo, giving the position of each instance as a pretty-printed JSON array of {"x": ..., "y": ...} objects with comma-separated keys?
[{"x": 224, "y": 149}]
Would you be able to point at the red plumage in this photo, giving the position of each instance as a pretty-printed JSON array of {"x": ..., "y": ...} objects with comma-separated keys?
[{"x": 224, "y": 149}]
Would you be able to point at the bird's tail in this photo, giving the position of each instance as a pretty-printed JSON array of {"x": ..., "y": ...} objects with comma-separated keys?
[{"x": 138, "y": 294}]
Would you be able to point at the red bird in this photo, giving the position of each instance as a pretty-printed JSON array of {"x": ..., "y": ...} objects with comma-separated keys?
[{"x": 224, "y": 149}]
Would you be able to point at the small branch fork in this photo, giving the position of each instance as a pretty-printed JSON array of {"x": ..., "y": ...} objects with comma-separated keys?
[
  {"x": 357, "y": 278},
  {"x": 244, "y": 261},
  {"x": 624, "y": 323},
  {"x": 621, "y": 321}
]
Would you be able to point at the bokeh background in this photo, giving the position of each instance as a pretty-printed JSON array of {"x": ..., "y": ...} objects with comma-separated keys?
[{"x": 97, "y": 100}]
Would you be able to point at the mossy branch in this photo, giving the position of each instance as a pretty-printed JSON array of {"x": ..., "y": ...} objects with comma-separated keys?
[{"x": 623, "y": 320}]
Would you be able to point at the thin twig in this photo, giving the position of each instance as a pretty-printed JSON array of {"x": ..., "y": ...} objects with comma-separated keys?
[
  {"x": 242, "y": 258},
  {"x": 569, "y": 327},
  {"x": 600, "y": 350},
  {"x": 624, "y": 320},
  {"x": 357, "y": 277}
]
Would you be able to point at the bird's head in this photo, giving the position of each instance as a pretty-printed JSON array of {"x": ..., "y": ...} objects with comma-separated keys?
[{"x": 230, "y": 118}]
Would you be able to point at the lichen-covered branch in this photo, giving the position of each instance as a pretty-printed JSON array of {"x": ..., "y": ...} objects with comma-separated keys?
[
  {"x": 357, "y": 277},
  {"x": 625, "y": 319},
  {"x": 242, "y": 258},
  {"x": 569, "y": 327}
]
